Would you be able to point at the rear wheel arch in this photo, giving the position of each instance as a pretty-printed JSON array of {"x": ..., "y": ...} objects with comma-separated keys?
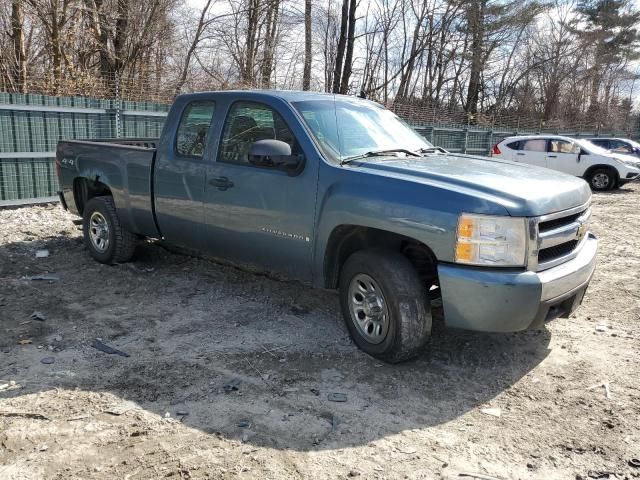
[
  {"x": 85, "y": 189},
  {"x": 106, "y": 239},
  {"x": 345, "y": 240}
]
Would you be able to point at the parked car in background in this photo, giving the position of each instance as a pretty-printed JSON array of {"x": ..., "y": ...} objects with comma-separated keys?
[
  {"x": 602, "y": 168},
  {"x": 618, "y": 145}
]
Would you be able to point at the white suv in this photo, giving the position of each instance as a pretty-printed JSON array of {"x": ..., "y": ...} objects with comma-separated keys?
[{"x": 603, "y": 169}]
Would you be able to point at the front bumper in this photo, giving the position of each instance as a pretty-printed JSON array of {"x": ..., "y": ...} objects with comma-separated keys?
[{"x": 492, "y": 300}]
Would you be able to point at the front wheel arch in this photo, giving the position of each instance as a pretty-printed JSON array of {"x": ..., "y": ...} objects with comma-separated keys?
[
  {"x": 345, "y": 240},
  {"x": 593, "y": 170}
]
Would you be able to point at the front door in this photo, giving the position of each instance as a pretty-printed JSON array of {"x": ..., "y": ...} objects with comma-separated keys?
[
  {"x": 258, "y": 215},
  {"x": 533, "y": 152},
  {"x": 563, "y": 156}
]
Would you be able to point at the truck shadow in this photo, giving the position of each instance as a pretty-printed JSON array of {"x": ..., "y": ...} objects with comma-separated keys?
[
  {"x": 232, "y": 353},
  {"x": 625, "y": 190}
]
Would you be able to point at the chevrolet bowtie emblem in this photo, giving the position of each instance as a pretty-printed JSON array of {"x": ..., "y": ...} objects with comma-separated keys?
[{"x": 582, "y": 230}]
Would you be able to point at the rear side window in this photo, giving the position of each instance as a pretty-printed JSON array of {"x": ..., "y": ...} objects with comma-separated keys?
[
  {"x": 514, "y": 145},
  {"x": 534, "y": 145},
  {"x": 194, "y": 129}
]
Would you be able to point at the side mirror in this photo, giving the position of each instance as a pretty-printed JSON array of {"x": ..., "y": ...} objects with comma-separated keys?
[
  {"x": 581, "y": 153},
  {"x": 275, "y": 154}
]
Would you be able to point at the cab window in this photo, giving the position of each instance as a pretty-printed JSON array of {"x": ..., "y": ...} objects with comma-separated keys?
[
  {"x": 193, "y": 129},
  {"x": 248, "y": 122}
]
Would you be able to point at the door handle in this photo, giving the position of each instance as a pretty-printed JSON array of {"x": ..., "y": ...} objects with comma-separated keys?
[
  {"x": 222, "y": 183},
  {"x": 519, "y": 153},
  {"x": 552, "y": 156}
]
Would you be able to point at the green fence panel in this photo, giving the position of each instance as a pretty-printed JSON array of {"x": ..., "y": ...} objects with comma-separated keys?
[
  {"x": 44, "y": 175},
  {"x": 52, "y": 129},
  {"x": 37, "y": 132},
  {"x": 9, "y": 180},
  {"x": 22, "y": 140},
  {"x": 26, "y": 181},
  {"x": 6, "y": 131}
]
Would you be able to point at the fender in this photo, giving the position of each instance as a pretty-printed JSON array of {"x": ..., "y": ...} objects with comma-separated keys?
[{"x": 391, "y": 205}]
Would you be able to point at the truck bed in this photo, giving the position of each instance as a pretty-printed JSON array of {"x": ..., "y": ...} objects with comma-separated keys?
[{"x": 126, "y": 165}]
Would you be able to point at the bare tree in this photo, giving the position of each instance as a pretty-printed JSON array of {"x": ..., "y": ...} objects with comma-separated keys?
[
  {"x": 18, "y": 72},
  {"x": 306, "y": 75}
]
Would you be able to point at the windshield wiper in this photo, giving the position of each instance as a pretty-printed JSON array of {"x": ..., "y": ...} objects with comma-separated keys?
[
  {"x": 431, "y": 150},
  {"x": 379, "y": 153}
]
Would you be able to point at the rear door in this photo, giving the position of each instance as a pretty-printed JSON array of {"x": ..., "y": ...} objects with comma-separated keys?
[
  {"x": 179, "y": 176},
  {"x": 261, "y": 215},
  {"x": 532, "y": 151},
  {"x": 563, "y": 156}
]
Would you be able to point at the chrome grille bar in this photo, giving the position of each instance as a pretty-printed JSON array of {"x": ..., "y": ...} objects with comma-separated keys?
[{"x": 573, "y": 231}]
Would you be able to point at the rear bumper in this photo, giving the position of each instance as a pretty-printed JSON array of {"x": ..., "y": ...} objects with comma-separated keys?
[{"x": 492, "y": 300}]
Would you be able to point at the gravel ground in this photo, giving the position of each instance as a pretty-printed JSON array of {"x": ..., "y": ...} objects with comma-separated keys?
[{"x": 558, "y": 403}]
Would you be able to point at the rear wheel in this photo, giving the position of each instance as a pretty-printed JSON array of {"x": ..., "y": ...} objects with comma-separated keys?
[
  {"x": 107, "y": 241},
  {"x": 601, "y": 180},
  {"x": 385, "y": 305}
]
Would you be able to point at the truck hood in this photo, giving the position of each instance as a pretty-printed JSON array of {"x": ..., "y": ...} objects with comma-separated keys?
[{"x": 523, "y": 190}]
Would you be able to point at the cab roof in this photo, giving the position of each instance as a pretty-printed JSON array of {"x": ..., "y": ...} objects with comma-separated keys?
[{"x": 287, "y": 95}]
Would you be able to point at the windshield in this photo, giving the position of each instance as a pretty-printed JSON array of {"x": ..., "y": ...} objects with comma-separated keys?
[
  {"x": 632, "y": 143},
  {"x": 348, "y": 127},
  {"x": 591, "y": 147}
]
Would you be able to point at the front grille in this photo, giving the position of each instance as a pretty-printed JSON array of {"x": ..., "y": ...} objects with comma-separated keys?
[
  {"x": 558, "y": 222},
  {"x": 557, "y": 251}
]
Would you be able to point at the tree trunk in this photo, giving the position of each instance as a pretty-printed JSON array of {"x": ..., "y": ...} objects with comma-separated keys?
[
  {"x": 306, "y": 75},
  {"x": 269, "y": 42},
  {"x": 246, "y": 75},
  {"x": 19, "y": 60},
  {"x": 348, "y": 61},
  {"x": 342, "y": 40},
  {"x": 475, "y": 22}
]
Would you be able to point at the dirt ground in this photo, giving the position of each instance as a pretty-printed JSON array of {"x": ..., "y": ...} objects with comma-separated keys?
[{"x": 191, "y": 326}]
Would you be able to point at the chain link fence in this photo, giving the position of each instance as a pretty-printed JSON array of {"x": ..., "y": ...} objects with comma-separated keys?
[{"x": 32, "y": 124}]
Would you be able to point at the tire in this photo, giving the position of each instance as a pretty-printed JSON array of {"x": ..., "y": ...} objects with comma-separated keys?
[
  {"x": 406, "y": 331},
  {"x": 602, "y": 180},
  {"x": 105, "y": 238}
]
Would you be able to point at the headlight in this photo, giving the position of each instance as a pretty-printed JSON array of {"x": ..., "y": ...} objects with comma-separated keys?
[
  {"x": 489, "y": 240},
  {"x": 629, "y": 162}
]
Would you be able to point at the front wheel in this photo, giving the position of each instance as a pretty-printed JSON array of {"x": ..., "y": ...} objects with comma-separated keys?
[
  {"x": 602, "y": 180},
  {"x": 107, "y": 241},
  {"x": 385, "y": 305}
]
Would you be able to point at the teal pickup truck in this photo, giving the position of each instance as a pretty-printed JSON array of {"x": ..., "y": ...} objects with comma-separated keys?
[{"x": 338, "y": 192}]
